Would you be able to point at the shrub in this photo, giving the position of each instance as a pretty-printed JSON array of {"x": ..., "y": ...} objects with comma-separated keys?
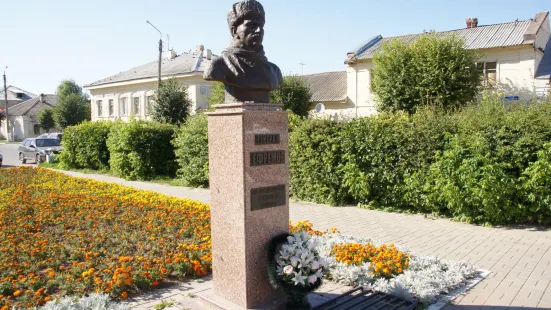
[
  {"x": 315, "y": 160},
  {"x": 84, "y": 146},
  {"x": 141, "y": 150},
  {"x": 536, "y": 185},
  {"x": 192, "y": 152},
  {"x": 380, "y": 152},
  {"x": 429, "y": 70}
]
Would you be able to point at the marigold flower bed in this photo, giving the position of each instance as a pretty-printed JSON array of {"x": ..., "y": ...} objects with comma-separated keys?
[{"x": 63, "y": 235}]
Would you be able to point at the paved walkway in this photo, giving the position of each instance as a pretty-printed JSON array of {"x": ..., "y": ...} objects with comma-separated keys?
[{"x": 519, "y": 258}]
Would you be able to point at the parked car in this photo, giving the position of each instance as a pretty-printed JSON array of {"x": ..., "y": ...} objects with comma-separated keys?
[
  {"x": 1, "y": 159},
  {"x": 51, "y": 135},
  {"x": 37, "y": 149}
]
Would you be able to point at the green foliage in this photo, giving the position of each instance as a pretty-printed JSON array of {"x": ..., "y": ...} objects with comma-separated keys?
[
  {"x": 381, "y": 152},
  {"x": 217, "y": 94},
  {"x": 431, "y": 70},
  {"x": 315, "y": 160},
  {"x": 68, "y": 87},
  {"x": 71, "y": 110},
  {"x": 483, "y": 163},
  {"x": 84, "y": 146},
  {"x": 141, "y": 150},
  {"x": 294, "y": 94},
  {"x": 192, "y": 153},
  {"x": 536, "y": 182},
  {"x": 73, "y": 107},
  {"x": 46, "y": 119},
  {"x": 172, "y": 103}
]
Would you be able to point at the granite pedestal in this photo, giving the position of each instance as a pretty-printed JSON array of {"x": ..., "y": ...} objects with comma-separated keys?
[{"x": 249, "y": 173}]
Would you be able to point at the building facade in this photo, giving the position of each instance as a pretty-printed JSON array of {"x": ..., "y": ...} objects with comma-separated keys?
[
  {"x": 15, "y": 96},
  {"x": 512, "y": 57},
  {"x": 130, "y": 93},
  {"x": 23, "y": 117}
]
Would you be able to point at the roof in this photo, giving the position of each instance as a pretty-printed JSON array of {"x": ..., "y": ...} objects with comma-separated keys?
[
  {"x": 13, "y": 99},
  {"x": 327, "y": 86},
  {"x": 481, "y": 37},
  {"x": 33, "y": 106},
  {"x": 182, "y": 64},
  {"x": 544, "y": 68}
]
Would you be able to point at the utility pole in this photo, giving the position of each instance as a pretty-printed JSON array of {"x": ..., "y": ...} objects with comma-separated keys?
[
  {"x": 6, "y": 98},
  {"x": 160, "y": 53}
]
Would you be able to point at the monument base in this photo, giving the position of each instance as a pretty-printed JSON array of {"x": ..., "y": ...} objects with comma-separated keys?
[
  {"x": 214, "y": 301},
  {"x": 249, "y": 177}
]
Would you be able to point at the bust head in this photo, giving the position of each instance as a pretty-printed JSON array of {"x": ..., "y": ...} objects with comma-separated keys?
[{"x": 246, "y": 22}]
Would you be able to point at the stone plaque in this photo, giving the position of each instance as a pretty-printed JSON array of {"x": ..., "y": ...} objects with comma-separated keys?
[
  {"x": 267, "y": 158},
  {"x": 268, "y": 197},
  {"x": 266, "y": 138}
]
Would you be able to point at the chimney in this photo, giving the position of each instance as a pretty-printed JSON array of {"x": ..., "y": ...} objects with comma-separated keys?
[
  {"x": 199, "y": 48},
  {"x": 474, "y": 22},
  {"x": 207, "y": 54},
  {"x": 42, "y": 98},
  {"x": 469, "y": 22},
  {"x": 170, "y": 55}
]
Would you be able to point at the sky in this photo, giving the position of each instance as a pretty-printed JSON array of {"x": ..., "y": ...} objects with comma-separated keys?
[{"x": 46, "y": 41}]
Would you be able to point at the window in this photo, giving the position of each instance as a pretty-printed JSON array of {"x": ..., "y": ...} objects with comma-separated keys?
[
  {"x": 111, "y": 107},
  {"x": 123, "y": 106},
  {"x": 488, "y": 74},
  {"x": 149, "y": 105},
  {"x": 100, "y": 110},
  {"x": 137, "y": 105},
  {"x": 26, "y": 142},
  {"x": 36, "y": 129}
]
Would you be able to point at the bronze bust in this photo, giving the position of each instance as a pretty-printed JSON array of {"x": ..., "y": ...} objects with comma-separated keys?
[{"x": 247, "y": 74}]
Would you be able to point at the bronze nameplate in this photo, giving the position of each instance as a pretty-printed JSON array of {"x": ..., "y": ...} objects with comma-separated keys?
[
  {"x": 268, "y": 197},
  {"x": 266, "y": 138},
  {"x": 267, "y": 158}
]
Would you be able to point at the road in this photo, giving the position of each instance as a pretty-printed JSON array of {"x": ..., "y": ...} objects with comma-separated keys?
[{"x": 10, "y": 154}]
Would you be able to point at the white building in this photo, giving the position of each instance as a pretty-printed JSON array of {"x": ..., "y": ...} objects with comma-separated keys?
[
  {"x": 23, "y": 117},
  {"x": 130, "y": 93},
  {"x": 15, "y": 96},
  {"x": 516, "y": 58}
]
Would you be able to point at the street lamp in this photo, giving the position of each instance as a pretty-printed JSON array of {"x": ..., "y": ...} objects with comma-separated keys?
[
  {"x": 160, "y": 52},
  {"x": 6, "y": 98}
]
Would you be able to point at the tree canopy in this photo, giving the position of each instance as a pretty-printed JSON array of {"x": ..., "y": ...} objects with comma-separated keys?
[
  {"x": 46, "y": 119},
  {"x": 73, "y": 106},
  {"x": 294, "y": 94},
  {"x": 172, "y": 102},
  {"x": 429, "y": 71}
]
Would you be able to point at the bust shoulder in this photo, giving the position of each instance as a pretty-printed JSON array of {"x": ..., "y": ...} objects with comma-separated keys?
[{"x": 217, "y": 70}]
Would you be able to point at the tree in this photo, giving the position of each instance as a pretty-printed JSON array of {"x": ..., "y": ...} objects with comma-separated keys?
[
  {"x": 294, "y": 94},
  {"x": 172, "y": 103},
  {"x": 46, "y": 119},
  {"x": 71, "y": 110},
  {"x": 73, "y": 106},
  {"x": 68, "y": 87},
  {"x": 217, "y": 94},
  {"x": 429, "y": 71}
]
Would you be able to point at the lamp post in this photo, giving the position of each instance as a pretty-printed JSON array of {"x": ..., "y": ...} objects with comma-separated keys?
[
  {"x": 6, "y": 98},
  {"x": 160, "y": 53}
]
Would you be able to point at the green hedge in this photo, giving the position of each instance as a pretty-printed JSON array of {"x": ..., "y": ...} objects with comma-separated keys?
[
  {"x": 84, "y": 146},
  {"x": 479, "y": 164},
  {"x": 141, "y": 150},
  {"x": 192, "y": 152},
  {"x": 315, "y": 152}
]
